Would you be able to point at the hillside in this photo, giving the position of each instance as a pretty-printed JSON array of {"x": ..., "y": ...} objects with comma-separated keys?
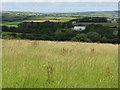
[
  {"x": 92, "y": 13},
  {"x": 97, "y": 13}
]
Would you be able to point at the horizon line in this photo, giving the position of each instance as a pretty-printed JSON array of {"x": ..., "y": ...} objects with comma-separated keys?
[
  {"x": 62, "y": 2},
  {"x": 58, "y": 12}
]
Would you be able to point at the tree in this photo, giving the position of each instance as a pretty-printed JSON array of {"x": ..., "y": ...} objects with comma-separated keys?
[
  {"x": 23, "y": 36},
  {"x": 63, "y": 34},
  {"x": 81, "y": 37},
  {"x": 13, "y": 34},
  {"x": 104, "y": 40},
  {"x": 94, "y": 36}
]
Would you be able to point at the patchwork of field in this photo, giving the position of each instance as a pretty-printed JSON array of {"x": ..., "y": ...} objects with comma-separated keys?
[
  {"x": 14, "y": 24},
  {"x": 46, "y": 20},
  {"x": 40, "y": 19},
  {"x": 46, "y": 64}
]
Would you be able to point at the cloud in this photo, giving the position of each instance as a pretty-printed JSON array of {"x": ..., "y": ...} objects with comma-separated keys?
[{"x": 60, "y": 0}]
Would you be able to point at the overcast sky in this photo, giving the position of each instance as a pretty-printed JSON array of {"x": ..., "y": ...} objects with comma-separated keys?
[{"x": 59, "y": 0}]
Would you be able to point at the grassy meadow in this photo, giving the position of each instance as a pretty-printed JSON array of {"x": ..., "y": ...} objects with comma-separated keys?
[{"x": 46, "y": 64}]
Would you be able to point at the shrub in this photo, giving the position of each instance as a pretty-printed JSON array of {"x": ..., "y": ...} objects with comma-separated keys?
[
  {"x": 94, "y": 36},
  {"x": 104, "y": 40},
  {"x": 81, "y": 37}
]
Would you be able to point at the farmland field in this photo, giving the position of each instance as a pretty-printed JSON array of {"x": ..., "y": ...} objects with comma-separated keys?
[
  {"x": 40, "y": 19},
  {"x": 46, "y": 20},
  {"x": 46, "y": 64},
  {"x": 12, "y": 24}
]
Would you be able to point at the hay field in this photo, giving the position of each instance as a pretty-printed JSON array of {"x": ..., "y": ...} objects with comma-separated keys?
[{"x": 46, "y": 64}]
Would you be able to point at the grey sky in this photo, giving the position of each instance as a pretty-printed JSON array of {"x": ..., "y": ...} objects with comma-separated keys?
[{"x": 59, "y": 0}]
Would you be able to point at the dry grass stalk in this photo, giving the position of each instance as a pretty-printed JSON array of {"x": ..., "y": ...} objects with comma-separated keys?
[
  {"x": 92, "y": 50},
  {"x": 50, "y": 70},
  {"x": 98, "y": 42},
  {"x": 35, "y": 43}
]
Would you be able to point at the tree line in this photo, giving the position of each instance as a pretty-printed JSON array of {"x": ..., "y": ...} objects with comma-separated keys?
[
  {"x": 91, "y": 19},
  {"x": 62, "y": 31}
]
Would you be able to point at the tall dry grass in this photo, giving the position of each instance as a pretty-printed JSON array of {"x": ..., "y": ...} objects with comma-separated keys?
[{"x": 46, "y": 64}]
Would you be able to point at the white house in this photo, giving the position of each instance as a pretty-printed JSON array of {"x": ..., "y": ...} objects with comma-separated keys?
[
  {"x": 79, "y": 28},
  {"x": 112, "y": 21},
  {"x": 74, "y": 22}
]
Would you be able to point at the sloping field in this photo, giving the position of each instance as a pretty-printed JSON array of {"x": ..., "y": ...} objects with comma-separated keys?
[{"x": 46, "y": 64}]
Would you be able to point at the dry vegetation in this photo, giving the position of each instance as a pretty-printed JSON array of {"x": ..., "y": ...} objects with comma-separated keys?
[{"x": 46, "y": 64}]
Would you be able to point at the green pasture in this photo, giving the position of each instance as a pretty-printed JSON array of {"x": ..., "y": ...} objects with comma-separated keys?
[{"x": 46, "y": 64}]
